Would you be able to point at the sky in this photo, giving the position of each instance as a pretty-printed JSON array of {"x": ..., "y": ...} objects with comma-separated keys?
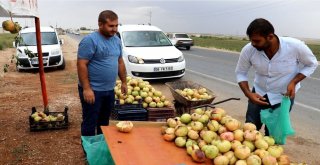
[{"x": 295, "y": 18}]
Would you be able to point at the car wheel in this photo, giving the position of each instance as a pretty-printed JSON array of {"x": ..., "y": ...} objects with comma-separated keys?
[
  {"x": 188, "y": 47},
  {"x": 63, "y": 65}
]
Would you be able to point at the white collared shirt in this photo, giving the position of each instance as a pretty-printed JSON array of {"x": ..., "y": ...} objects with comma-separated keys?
[{"x": 273, "y": 76}]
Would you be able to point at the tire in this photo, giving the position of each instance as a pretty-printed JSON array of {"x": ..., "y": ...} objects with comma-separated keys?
[
  {"x": 188, "y": 47},
  {"x": 63, "y": 65}
]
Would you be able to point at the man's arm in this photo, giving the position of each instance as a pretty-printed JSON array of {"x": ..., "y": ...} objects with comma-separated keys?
[
  {"x": 253, "y": 97},
  {"x": 88, "y": 94},
  {"x": 122, "y": 73},
  {"x": 291, "y": 88},
  {"x": 310, "y": 63},
  {"x": 242, "y": 69}
]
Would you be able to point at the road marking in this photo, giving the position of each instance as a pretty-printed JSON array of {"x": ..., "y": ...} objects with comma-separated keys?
[
  {"x": 198, "y": 56},
  {"x": 212, "y": 77},
  {"x": 235, "y": 84}
]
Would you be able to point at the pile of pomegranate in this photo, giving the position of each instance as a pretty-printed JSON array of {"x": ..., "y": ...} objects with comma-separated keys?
[{"x": 212, "y": 134}]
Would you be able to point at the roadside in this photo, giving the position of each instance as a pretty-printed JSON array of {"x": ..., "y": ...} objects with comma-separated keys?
[{"x": 229, "y": 51}]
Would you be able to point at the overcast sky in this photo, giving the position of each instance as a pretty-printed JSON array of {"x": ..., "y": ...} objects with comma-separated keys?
[{"x": 296, "y": 18}]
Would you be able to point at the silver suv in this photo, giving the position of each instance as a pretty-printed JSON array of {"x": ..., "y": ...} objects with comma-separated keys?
[{"x": 180, "y": 40}]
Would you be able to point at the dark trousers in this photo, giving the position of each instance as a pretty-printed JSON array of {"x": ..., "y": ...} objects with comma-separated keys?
[
  {"x": 97, "y": 114},
  {"x": 253, "y": 112}
]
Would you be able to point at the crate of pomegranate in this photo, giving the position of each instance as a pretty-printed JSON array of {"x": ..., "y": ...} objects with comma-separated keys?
[
  {"x": 190, "y": 94},
  {"x": 40, "y": 121}
]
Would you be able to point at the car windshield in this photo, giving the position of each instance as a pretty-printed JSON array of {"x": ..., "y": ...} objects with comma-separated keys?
[
  {"x": 182, "y": 36},
  {"x": 47, "y": 38},
  {"x": 145, "y": 39}
]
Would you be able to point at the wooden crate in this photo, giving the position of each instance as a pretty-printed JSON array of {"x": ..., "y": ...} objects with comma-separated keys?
[{"x": 160, "y": 114}]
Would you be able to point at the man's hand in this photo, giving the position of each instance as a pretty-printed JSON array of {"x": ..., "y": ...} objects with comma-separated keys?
[
  {"x": 291, "y": 90},
  {"x": 257, "y": 99},
  {"x": 124, "y": 88},
  {"x": 88, "y": 95}
]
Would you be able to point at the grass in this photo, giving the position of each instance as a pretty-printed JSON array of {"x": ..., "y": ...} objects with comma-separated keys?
[
  {"x": 6, "y": 40},
  {"x": 227, "y": 43},
  {"x": 236, "y": 44}
]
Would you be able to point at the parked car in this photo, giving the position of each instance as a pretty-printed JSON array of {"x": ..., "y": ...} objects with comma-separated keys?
[
  {"x": 149, "y": 54},
  {"x": 181, "y": 40},
  {"x": 51, "y": 49}
]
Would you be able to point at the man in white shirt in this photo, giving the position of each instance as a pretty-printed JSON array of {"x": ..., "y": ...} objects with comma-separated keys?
[{"x": 280, "y": 63}]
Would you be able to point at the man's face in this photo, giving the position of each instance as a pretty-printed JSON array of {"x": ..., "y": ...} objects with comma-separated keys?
[
  {"x": 109, "y": 28},
  {"x": 260, "y": 42}
]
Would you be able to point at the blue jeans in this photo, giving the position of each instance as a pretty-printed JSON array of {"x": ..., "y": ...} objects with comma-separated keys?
[
  {"x": 253, "y": 112},
  {"x": 97, "y": 114}
]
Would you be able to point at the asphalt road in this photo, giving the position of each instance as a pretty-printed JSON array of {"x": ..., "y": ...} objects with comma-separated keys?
[{"x": 214, "y": 69}]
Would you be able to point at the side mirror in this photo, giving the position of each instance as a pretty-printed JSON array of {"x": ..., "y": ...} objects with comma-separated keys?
[
  {"x": 13, "y": 44},
  {"x": 61, "y": 41}
]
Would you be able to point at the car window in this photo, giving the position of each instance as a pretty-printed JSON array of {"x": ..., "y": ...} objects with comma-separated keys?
[
  {"x": 47, "y": 38},
  {"x": 145, "y": 39},
  {"x": 182, "y": 36}
]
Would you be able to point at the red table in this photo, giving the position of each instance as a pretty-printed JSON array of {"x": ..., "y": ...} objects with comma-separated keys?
[{"x": 145, "y": 146}]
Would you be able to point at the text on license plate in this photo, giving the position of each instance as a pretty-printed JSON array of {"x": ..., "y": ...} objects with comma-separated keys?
[{"x": 160, "y": 69}]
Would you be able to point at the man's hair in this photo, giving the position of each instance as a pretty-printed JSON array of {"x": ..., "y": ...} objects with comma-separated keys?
[
  {"x": 260, "y": 26},
  {"x": 107, "y": 14}
]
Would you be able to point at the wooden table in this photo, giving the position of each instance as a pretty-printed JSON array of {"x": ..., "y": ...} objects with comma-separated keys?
[{"x": 145, "y": 146}]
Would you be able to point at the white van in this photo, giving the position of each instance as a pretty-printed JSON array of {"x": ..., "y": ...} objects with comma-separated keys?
[
  {"x": 149, "y": 54},
  {"x": 51, "y": 49}
]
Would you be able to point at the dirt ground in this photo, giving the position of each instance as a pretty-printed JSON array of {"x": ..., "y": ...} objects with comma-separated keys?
[{"x": 21, "y": 91}]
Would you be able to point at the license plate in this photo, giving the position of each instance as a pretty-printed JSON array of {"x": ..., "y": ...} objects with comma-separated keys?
[
  {"x": 35, "y": 61},
  {"x": 161, "y": 69}
]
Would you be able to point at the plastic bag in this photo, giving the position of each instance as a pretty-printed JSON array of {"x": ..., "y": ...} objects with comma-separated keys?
[
  {"x": 97, "y": 150},
  {"x": 278, "y": 121}
]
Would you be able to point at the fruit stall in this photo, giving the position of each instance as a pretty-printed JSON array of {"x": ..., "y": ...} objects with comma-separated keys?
[{"x": 201, "y": 133}]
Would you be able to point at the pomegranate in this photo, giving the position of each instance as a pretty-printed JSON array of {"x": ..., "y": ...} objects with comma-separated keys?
[
  {"x": 249, "y": 126},
  {"x": 227, "y": 136},
  {"x": 221, "y": 160},
  {"x": 269, "y": 160},
  {"x": 238, "y": 135},
  {"x": 232, "y": 124},
  {"x": 284, "y": 160},
  {"x": 253, "y": 160},
  {"x": 124, "y": 126},
  {"x": 249, "y": 135},
  {"x": 224, "y": 146},
  {"x": 261, "y": 144},
  {"x": 242, "y": 152},
  {"x": 198, "y": 155}
]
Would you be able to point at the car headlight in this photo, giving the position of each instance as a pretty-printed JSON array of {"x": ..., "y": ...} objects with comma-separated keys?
[
  {"x": 55, "y": 52},
  {"x": 181, "y": 58},
  {"x": 20, "y": 54},
  {"x": 135, "y": 60}
]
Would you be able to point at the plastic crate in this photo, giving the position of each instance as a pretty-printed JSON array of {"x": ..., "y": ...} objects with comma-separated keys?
[
  {"x": 49, "y": 125},
  {"x": 137, "y": 114},
  {"x": 160, "y": 114},
  {"x": 188, "y": 84},
  {"x": 117, "y": 105}
]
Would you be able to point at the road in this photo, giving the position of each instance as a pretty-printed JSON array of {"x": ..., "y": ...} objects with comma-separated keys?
[{"x": 214, "y": 69}]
